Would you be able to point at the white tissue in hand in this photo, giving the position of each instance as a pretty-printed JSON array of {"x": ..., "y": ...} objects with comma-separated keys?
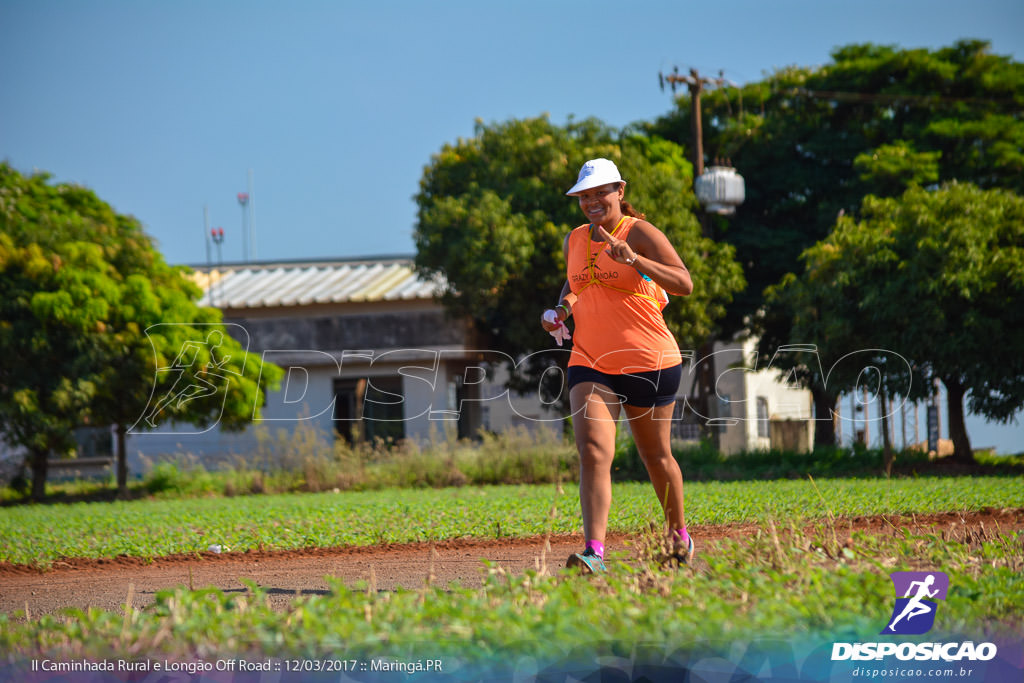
[{"x": 561, "y": 333}]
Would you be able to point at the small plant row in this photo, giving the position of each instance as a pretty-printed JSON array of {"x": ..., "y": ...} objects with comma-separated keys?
[
  {"x": 774, "y": 592},
  {"x": 39, "y": 535}
]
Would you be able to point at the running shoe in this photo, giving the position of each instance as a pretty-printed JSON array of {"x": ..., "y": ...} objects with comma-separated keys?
[
  {"x": 587, "y": 562},
  {"x": 674, "y": 554},
  {"x": 681, "y": 555}
]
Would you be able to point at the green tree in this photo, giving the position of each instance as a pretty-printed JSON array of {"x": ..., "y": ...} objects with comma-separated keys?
[
  {"x": 48, "y": 312},
  {"x": 493, "y": 214},
  {"x": 841, "y": 351},
  {"x": 91, "y": 311},
  {"x": 812, "y": 143},
  {"x": 937, "y": 275}
]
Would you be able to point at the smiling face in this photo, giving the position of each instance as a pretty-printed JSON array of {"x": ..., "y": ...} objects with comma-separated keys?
[{"x": 602, "y": 204}]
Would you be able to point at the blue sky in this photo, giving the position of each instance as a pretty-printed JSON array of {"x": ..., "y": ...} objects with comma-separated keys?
[{"x": 164, "y": 107}]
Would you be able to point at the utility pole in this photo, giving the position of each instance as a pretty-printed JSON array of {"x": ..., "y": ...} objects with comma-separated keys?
[
  {"x": 903, "y": 421},
  {"x": 867, "y": 417},
  {"x": 706, "y": 375},
  {"x": 853, "y": 417},
  {"x": 694, "y": 83}
]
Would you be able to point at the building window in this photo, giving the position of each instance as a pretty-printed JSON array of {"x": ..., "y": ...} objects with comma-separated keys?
[
  {"x": 762, "y": 417},
  {"x": 685, "y": 421},
  {"x": 369, "y": 408}
]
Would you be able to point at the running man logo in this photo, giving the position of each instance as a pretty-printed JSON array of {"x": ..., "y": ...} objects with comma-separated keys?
[
  {"x": 916, "y": 593},
  {"x": 199, "y": 373}
]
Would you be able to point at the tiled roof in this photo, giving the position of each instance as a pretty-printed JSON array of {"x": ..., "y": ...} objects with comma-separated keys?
[{"x": 259, "y": 285}]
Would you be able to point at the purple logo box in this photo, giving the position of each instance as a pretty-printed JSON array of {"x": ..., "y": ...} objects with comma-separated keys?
[{"x": 916, "y": 596}]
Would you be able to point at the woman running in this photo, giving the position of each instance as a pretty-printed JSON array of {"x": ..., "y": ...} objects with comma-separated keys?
[{"x": 619, "y": 268}]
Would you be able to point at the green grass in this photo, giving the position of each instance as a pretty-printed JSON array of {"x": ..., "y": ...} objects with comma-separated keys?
[
  {"x": 780, "y": 587},
  {"x": 778, "y": 597},
  {"x": 39, "y": 535},
  {"x": 307, "y": 460}
]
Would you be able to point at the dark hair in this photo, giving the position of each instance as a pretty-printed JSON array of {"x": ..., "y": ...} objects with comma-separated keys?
[{"x": 628, "y": 210}]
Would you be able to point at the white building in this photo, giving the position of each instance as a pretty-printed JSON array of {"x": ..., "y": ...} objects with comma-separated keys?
[
  {"x": 370, "y": 352},
  {"x": 756, "y": 408}
]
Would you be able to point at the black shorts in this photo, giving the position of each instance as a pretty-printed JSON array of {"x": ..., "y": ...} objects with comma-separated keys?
[{"x": 642, "y": 389}]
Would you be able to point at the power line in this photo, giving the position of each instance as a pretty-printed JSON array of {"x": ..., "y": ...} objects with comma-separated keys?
[{"x": 693, "y": 82}]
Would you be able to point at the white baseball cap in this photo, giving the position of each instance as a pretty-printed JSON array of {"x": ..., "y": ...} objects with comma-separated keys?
[{"x": 595, "y": 173}]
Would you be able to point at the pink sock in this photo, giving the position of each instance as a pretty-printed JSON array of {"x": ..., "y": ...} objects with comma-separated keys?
[
  {"x": 597, "y": 547},
  {"x": 683, "y": 535}
]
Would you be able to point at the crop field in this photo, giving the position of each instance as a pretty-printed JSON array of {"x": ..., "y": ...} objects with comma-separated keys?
[
  {"x": 771, "y": 604},
  {"x": 37, "y": 535}
]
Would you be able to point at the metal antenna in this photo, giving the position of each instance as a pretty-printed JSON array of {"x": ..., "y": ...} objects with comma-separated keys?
[
  {"x": 243, "y": 201},
  {"x": 252, "y": 218}
]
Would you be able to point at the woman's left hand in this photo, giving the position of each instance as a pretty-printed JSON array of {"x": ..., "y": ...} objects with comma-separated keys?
[
  {"x": 552, "y": 322},
  {"x": 618, "y": 249}
]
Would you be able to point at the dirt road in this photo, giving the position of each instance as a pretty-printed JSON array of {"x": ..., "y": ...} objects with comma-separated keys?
[{"x": 107, "y": 584}]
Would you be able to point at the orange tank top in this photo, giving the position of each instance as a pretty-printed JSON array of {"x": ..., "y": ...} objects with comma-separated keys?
[{"x": 619, "y": 325}]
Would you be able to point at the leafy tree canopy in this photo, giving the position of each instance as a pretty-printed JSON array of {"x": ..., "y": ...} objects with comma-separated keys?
[
  {"x": 937, "y": 275},
  {"x": 811, "y": 143},
  {"x": 92, "y": 312},
  {"x": 493, "y": 215}
]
